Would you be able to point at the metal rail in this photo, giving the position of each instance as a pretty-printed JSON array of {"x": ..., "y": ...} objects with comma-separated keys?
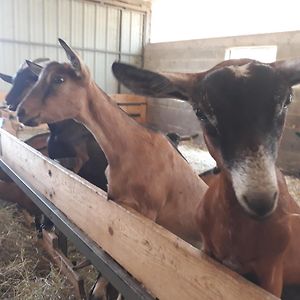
[
  {"x": 103, "y": 51},
  {"x": 111, "y": 270}
]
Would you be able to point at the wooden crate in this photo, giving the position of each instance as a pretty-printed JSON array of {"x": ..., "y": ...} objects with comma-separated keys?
[{"x": 135, "y": 106}]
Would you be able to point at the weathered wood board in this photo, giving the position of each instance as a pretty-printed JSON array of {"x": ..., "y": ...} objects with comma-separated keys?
[
  {"x": 135, "y": 106},
  {"x": 166, "y": 265}
]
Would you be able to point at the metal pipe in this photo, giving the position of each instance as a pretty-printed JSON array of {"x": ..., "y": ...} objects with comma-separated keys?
[{"x": 56, "y": 46}]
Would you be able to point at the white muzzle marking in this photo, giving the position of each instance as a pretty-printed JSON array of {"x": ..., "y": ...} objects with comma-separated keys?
[{"x": 255, "y": 182}]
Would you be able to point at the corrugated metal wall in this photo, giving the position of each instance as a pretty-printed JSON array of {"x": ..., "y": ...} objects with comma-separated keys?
[{"x": 99, "y": 32}]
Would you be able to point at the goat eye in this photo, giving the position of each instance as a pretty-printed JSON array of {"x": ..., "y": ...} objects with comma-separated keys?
[
  {"x": 200, "y": 115},
  {"x": 58, "y": 80},
  {"x": 288, "y": 100}
]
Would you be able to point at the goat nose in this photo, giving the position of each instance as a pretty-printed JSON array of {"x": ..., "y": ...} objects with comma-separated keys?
[{"x": 261, "y": 204}]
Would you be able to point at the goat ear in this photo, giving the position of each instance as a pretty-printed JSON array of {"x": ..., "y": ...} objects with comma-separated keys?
[
  {"x": 6, "y": 78},
  {"x": 73, "y": 57},
  {"x": 159, "y": 85},
  {"x": 40, "y": 60},
  {"x": 289, "y": 69},
  {"x": 34, "y": 68}
]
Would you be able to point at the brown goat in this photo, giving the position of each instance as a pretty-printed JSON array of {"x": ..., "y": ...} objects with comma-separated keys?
[
  {"x": 247, "y": 218},
  {"x": 159, "y": 191},
  {"x": 145, "y": 172}
]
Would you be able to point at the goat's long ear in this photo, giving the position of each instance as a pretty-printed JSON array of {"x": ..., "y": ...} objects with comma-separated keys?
[
  {"x": 289, "y": 69},
  {"x": 159, "y": 85},
  {"x": 40, "y": 60},
  {"x": 73, "y": 57},
  {"x": 34, "y": 68},
  {"x": 6, "y": 78}
]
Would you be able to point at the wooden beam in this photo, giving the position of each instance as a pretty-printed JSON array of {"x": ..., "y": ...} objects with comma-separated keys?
[
  {"x": 135, "y": 106},
  {"x": 166, "y": 265},
  {"x": 50, "y": 242}
]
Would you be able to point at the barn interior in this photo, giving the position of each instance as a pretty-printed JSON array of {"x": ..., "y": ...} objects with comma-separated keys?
[{"x": 159, "y": 35}]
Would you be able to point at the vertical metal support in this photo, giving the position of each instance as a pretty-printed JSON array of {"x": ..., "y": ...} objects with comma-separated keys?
[
  {"x": 83, "y": 27},
  {"x": 95, "y": 37},
  {"x": 14, "y": 31},
  {"x": 29, "y": 28},
  {"x": 120, "y": 44},
  {"x": 145, "y": 25},
  {"x": 57, "y": 27},
  {"x": 44, "y": 27},
  {"x": 130, "y": 35},
  {"x": 105, "y": 57},
  {"x": 71, "y": 18}
]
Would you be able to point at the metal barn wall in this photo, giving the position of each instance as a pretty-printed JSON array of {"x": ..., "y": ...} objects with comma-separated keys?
[{"x": 101, "y": 33}]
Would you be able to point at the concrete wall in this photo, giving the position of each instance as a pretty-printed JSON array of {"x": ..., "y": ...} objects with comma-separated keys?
[{"x": 198, "y": 55}]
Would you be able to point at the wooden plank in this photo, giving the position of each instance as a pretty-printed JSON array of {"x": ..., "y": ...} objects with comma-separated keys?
[
  {"x": 136, "y": 112},
  {"x": 128, "y": 98},
  {"x": 50, "y": 242},
  {"x": 289, "y": 162},
  {"x": 294, "y": 107},
  {"x": 293, "y": 122},
  {"x": 290, "y": 141},
  {"x": 133, "y": 105},
  {"x": 166, "y": 265}
]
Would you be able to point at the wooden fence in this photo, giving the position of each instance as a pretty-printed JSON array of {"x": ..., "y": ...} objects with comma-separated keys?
[{"x": 165, "y": 265}]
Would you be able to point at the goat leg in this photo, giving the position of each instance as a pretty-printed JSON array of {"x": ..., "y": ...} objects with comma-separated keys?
[{"x": 99, "y": 290}]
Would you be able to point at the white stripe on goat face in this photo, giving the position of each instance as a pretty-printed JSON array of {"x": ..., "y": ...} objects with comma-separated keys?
[
  {"x": 240, "y": 71},
  {"x": 255, "y": 182}
]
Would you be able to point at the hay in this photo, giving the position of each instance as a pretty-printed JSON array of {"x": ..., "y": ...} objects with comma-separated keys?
[
  {"x": 25, "y": 272},
  {"x": 199, "y": 160},
  {"x": 89, "y": 273},
  {"x": 294, "y": 187}
]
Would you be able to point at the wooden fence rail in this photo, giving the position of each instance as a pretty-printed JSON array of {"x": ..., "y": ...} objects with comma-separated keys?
[{"x": 168, "y": 267}]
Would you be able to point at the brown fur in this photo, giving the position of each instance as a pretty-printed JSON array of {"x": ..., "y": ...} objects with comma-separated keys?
[
  {"x": 164, "y": 189},
  {"x": 145, "y": 172}
]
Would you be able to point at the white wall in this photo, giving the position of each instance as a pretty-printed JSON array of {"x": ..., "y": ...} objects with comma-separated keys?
[{"x": 174, "y": 20}]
